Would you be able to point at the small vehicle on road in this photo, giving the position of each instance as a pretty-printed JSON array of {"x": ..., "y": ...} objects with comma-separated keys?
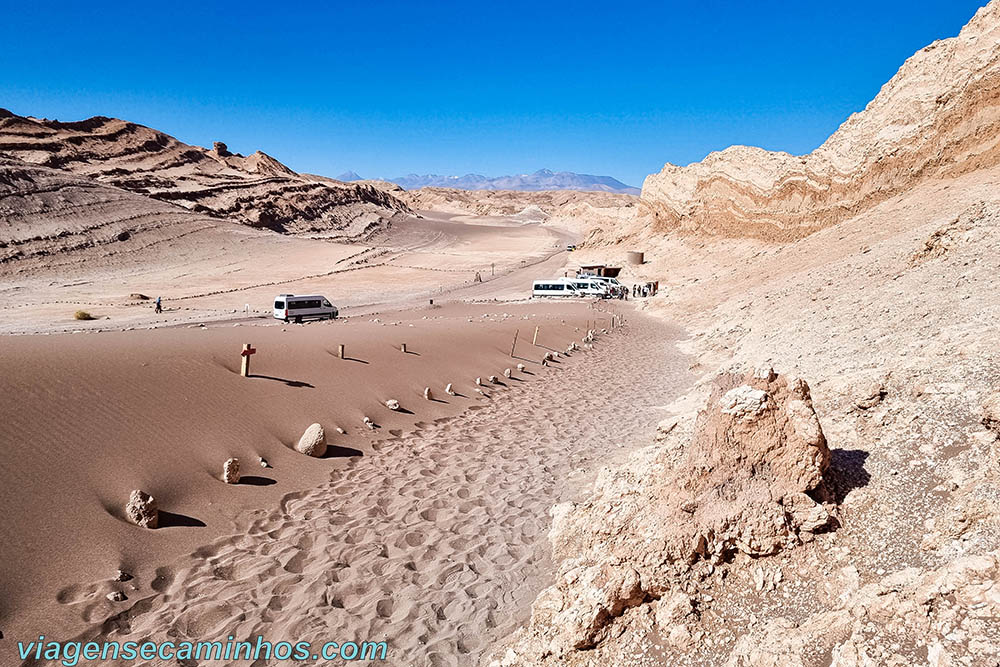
[{"x": 298, "y": 307}]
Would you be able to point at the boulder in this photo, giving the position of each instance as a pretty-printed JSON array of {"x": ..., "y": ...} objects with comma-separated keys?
[
  {"x": 231, "y": 471},
  {"x": 744, "y": 485},
  {"x": 369, "y": 423},
  {"x": 428, "y": 394},
  {"x": 520, "y": 368},
  {"x": 448, "y": 390},
  {"x": 506, "y": 373},
  {"x": 494, "y": 379},
  {"x": 312, "y": 442},
  {"x": 392, "y": 404},
  {"x": 141, "y": 509},
  {"x": 479, "y": 382}
]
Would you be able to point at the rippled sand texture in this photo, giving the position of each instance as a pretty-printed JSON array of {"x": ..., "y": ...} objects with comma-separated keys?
[{"x": 437, "y": 543}]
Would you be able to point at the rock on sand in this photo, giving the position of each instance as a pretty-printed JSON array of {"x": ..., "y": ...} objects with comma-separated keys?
[
  {"x": 312, "y": 442},
  {"x": 141, "y": 509}
]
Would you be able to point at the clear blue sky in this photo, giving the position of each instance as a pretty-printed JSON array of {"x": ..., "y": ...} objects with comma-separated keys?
[{"x": 388, "y": 88}]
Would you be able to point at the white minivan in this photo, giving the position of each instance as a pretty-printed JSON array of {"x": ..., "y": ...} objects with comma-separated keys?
[
  {"x": 586, "y": 286},
  {"x": 297, "y": 307},
  {"x": 553, "y": 287}
]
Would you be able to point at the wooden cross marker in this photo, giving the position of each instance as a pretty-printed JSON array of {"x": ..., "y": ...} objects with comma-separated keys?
[
  {"x": 340, "y": 351},
  {"x": 534, "y": 339},
  {"x": 248, "y": 350},
  {"x": 402, "y": 348},
  {"x": 514, "y": 344}
]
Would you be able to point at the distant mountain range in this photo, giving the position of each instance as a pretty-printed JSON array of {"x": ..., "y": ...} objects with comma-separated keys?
[{"x": 543, "y": 179}]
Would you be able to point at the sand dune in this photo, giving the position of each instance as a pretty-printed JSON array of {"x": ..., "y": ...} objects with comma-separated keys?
[{"x": 386, "y": 512}]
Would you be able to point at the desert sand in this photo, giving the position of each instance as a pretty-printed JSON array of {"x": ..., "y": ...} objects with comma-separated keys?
[
  {"x": 787, "y": 457},
  {"x": 417, "y": 532}
]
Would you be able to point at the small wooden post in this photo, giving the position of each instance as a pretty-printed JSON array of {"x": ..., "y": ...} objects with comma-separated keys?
[
  {"x": 514, "y": 344},
  {"x": 340, "y": 351},
  {"x": 534, "y": 339},
  {"x": 248, "y": 350},
  {"x": 402, "y": 348}
]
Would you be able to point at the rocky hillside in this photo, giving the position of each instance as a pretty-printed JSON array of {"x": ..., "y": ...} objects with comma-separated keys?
[
  {"x": 880, "y": 546},
  {"x": 45, "y": 212},
  {"x": 256, "y": 190},
  {"x": 938, "y": 117}
]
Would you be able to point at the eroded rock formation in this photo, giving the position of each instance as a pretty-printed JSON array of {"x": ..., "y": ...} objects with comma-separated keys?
[
  {"x": 939, "y": 116},
  {"x": 746, "y": 485},
  {"x": 256, "y": 190}
]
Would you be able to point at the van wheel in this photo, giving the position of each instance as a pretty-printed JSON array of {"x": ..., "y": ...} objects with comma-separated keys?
[{"x": 298, "y": 320}]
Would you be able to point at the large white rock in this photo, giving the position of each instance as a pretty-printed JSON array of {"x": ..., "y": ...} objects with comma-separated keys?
[
  {"x": 392, "y": 404},
  {"x": 312, "y": 442}
]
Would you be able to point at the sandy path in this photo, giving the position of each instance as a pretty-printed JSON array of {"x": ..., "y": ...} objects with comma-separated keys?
[{"x": 438, "y": 542}]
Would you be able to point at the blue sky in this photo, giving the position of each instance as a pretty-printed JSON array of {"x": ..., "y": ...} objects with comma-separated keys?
[{"x": 388, "y": 88}]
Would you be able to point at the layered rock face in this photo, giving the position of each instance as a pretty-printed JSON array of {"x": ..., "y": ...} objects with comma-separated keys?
[
  {"x": 256, "y": 190},
  {"x": 45, "y": 212},
  {"x": 938, "y": 117},
  {"x": 653, "y": 530}
]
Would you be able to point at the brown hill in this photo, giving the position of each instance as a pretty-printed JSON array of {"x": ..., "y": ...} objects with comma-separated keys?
[
  {"x": 938, "y": 117},
  {"x": 256, "y": 190}
]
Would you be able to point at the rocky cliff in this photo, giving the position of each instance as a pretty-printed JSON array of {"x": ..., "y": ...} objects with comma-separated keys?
[
  {"x": 938, "y": 117},
  {"x": 256, "y": 190},
  {"x": 882, "y": 293}
]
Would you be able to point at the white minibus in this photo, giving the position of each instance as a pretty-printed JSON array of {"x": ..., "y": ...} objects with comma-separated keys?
[
  {"x": 553, "y": 287},
  {"x": 589, "y": 287},
  {"x": 297, "y": 307}
]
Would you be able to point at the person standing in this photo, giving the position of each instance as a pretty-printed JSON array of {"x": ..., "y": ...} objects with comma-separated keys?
[{"x": 159, "y": 306}]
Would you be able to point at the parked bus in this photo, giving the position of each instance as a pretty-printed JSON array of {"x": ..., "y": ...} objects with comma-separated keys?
[
  {"x": 297, "y": 307},
  {"x": 553, "y": 287}
]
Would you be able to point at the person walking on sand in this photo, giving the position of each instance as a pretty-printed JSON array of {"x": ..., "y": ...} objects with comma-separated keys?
[{"x": 159, "y": 306}]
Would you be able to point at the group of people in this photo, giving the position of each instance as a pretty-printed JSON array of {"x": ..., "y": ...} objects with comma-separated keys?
[{"x": 640, "y": 290}]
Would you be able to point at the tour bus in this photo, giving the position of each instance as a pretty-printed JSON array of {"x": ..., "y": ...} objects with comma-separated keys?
[
  {"x": 553, "y": 287},
  {"x": 298, "y": 307},
  {"x": 587, "y": 286}
]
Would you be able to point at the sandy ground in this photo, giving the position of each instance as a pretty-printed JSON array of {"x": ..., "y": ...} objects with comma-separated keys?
[
  {"x": 376, "y": 528},
  {"x": 229, "y": 271},
  {"x": 432, "y": 539}
]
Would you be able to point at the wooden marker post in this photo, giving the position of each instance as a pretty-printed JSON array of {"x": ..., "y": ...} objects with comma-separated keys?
[
  {"x": 514, "y": 344},
  {"x": 534, "y": 339},
  {"x": 248, "y": 350},
  {"x": 402, "y": 348},
  {"x": 340, "y": 351}
]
